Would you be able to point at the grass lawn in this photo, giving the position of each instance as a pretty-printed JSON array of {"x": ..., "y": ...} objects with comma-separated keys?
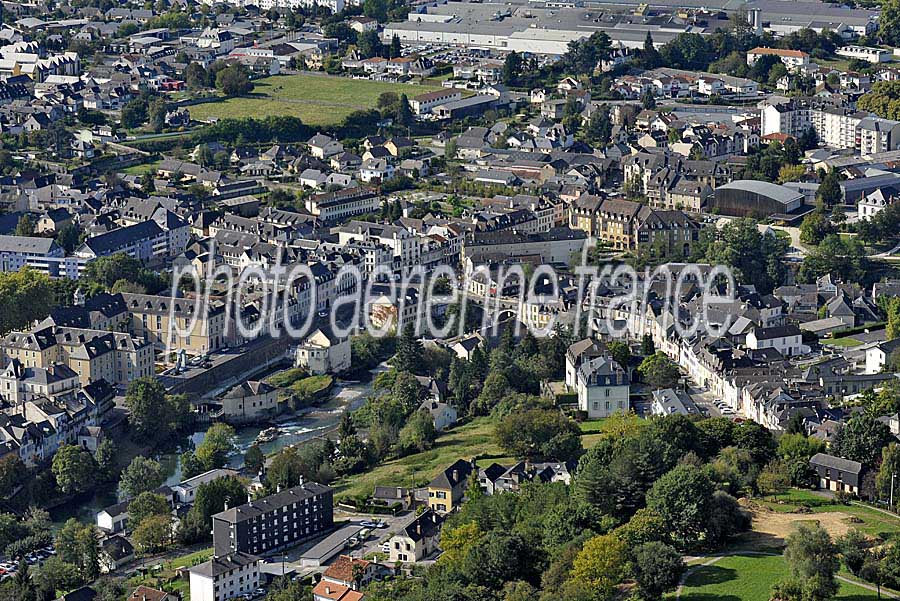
[
  {"x": 846, "y": 342},
  {"x": 167, "y": 577},
  {"x": 315, "y": 99},
  {"x": 748, "y": 578},
  {"x": 463, "y": 442},
  {"x": 873, "y": 523},
  {"x": 141, "y": 169}
]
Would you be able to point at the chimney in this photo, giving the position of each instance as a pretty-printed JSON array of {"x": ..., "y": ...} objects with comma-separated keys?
[
  {"x": 327, "y": 590},
  {"x": 418, "y": 527},
  {"x": 226, "y": 505},
  {"x": 278, "y": 488},
  {"x": 456, "y": 475}
]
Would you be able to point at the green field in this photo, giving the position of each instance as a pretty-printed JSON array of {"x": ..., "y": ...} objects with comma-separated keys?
[
  {"x": 315, "y": 99},
  {"x": 748, "y": 578},
  {"x": 464, "y": 442}
]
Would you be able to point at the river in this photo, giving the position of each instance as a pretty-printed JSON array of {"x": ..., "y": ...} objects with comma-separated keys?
[{"x": 304, "y": 426}]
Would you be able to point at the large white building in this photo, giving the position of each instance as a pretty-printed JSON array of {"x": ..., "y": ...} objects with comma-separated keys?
[
  {"x": 865, "y": 53},
  {"x": 835, "y": 126},
  {"x": 225, "y": 577},
  {"x": 40, "y": 254}
]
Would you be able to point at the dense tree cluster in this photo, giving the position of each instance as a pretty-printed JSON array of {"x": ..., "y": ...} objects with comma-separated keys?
[
  {"x": 754, "y": 256},
  {"x": 646, "y": 493}
]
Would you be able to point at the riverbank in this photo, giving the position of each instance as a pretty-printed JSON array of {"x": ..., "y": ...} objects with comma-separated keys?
[{"x": 307, "y": 424}]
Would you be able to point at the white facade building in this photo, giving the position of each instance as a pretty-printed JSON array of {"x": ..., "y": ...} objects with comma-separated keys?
[{"x": 225, "y": 577}]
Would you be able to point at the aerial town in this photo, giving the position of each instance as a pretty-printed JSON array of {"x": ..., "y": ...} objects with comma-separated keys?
[{"x": 441, "y": 300}]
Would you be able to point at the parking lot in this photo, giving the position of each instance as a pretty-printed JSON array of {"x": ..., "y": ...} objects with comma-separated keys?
[{"x": 710, "y": 402}]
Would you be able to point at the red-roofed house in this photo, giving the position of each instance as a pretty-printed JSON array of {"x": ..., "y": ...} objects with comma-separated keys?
[{"x": 792, "y": 59}]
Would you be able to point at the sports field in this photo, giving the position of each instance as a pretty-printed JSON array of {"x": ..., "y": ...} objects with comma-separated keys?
[{"x": 315, "y": 99}]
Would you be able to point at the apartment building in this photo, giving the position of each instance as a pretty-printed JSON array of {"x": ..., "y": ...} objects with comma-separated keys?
[
  {"x": 275, "y": 522},
  {"x": 792, "y": 59},
  {"x": 144, "y": 241},
  {"x": 404, "y": 244},
  {"x": 627, "y": 225},
  {"x": 94, "y": 355},
  {"x": 835, "y": 126},
  {"x": 41, "y": 254},
  {"x": 225, "y": 577},
  {"x": 423, "y": 103},
  {"x": 155, "y": 317},
  {"x": 342, "y": 204},
  {"x": 865, "y": 53}
]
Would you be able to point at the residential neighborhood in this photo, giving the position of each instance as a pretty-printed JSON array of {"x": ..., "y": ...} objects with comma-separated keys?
[{"x": 377, "y": 300}]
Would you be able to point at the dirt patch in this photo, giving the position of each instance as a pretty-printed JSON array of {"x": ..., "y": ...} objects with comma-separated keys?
[{"x": 773, "y": 526}]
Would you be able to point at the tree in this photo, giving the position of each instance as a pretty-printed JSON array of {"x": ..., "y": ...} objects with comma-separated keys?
[
  {"x": 68, "y": 237},
  {"x": 682, "y": 497},
  {"x": 845, "y": 260},
  {"x": 254, "y": 458},
  {"x": 79, "y": 545},
  {"x": 829, "y": 192},
  {"x": 774, "y": 478},
  {"x": 862, "y": 439},
  {"x": 154, "y": 415},
  {"x": 658, "y": 371},
  {"x": 217, "y": 444},
  {"x": 889, "y": 22},
  {"x": 601, "y": 564},
  {"x": 196, "y": 77},
  {"x": 647, "y": 346},
  {"x": 620, "y": 352},
  {"x": 409, "y": 352},
  {"x": 25, "y": 226},
  {"x": 854, "y": 550},
  {"x": 23, "y": 584},
  {"x": 648, "y": 100},
  {"x": 539, "y": 434},
  {"x": 395, "y": 46},
  {"x": 599, "y": 128},
  {"x": 74, "y": 469},
  {"x": 369, "y": 44},
  {"x": 583, "y": 56},
  {"x": 134, "y": 114},
  {"x": 657, "y": 569},
  {"x": 153, "y": 534},
  {"x": 418, "y": 433},
  {"x": 141, "y": 475},
  {"x": 495, "y": 387},
  {"x": 12, "y": 472},
  {"x": 687, "y": 51},
  {"x": 234, "y": 80},
  {"x": 145, "y": 505},
  {"x": 512, "y": 68},
  {"x": 811, "y": 556},
  {"x": 815, "y": 227},
  {"x": 649, "y": 56},
  {"x": 753, "y": 256},
  {"x": 213, "y": 496}
]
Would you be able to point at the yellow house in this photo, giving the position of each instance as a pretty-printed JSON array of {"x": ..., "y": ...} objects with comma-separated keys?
[{"x": 446, "y": 491}]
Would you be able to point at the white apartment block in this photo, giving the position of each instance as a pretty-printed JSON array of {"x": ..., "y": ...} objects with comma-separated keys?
[
  {"x": 225, "y": 577},
  {"x": 865, "y": 53},
  {"x": 792, "y": 59},
  {"x": 41, "y": 254},
  {"x": 835, "y": 127}
]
